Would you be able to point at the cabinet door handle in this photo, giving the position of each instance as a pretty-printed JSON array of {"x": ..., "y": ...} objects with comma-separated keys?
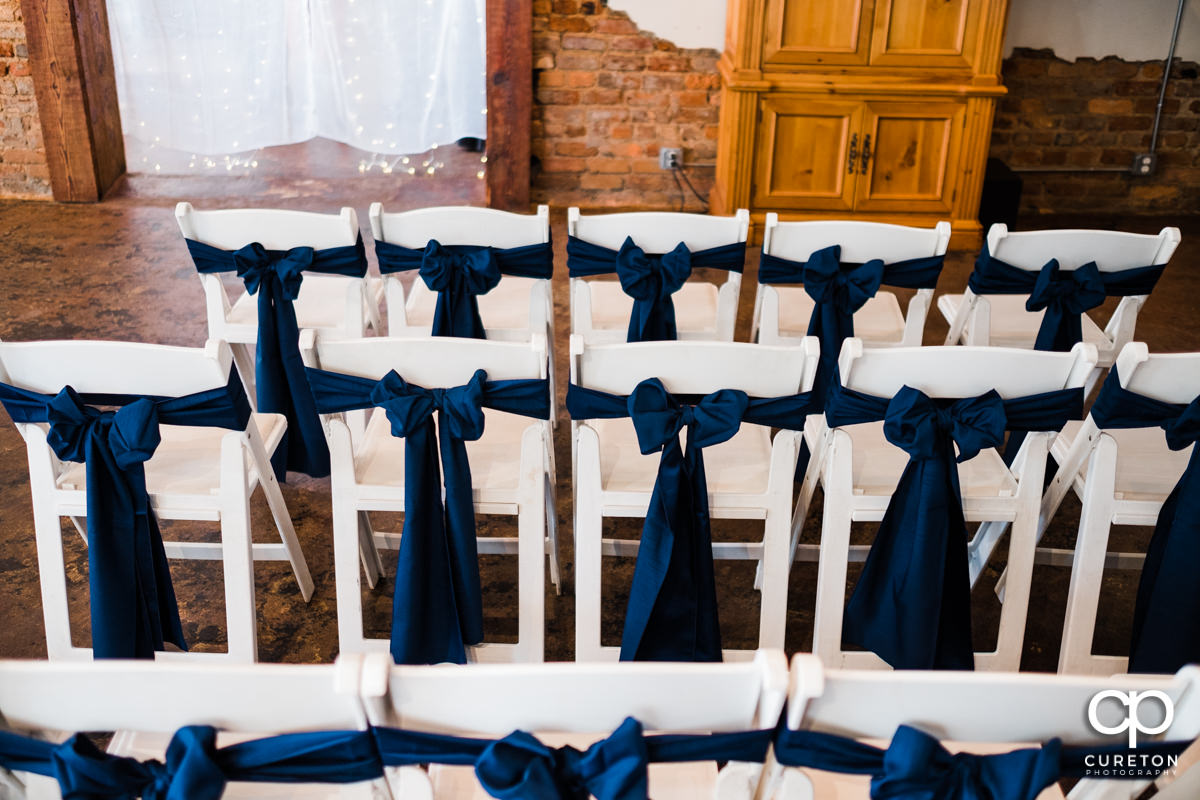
[
  {"x": 866, "y": 153},
  {"x": 853, "y": 157}
]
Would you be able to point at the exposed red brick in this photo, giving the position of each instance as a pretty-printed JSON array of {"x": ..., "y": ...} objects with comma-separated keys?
[{"x": 23, "y": 171}]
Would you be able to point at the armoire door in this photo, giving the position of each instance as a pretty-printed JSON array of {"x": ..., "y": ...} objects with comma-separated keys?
[
  {"x": 825, "y": 32},
  {"x": 925, "y": 33},
  {"x": 909, "y": 155},
  {"x": 808, "y": 152}
]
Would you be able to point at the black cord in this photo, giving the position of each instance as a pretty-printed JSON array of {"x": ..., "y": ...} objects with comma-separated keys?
[
  {"x": 679, "y": 186},
  {"x": 683, "y": 175}
]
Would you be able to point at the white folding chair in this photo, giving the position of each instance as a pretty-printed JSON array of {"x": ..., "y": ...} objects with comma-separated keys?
[
  {"x": 512, "y": 311},
  {"x": 333, "y": 304},
  {"x": 973, "y": 712},
  {"x": 749, "y": 476},
  {"x": 859, "y": 470},
  {"x": 196, "y": 473},
  {"x": 600, "y": 309},
  {"x": 1001, "y": 320},
  {"x": 578, "y": 704},
  {"x": 1122, "y": 477},
  {"x": 509, "y": 466},
  {"x": 146, "y": 703},
  {"x": 781, "y": 313}
]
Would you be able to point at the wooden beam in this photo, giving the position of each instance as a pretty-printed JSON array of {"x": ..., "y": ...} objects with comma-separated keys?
[
  {"x": 70, "y": 56},
  {"x": 509, "y": 102}
]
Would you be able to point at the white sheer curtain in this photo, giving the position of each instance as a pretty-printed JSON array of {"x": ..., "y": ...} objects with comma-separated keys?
[{"x": 209, "y": 78}]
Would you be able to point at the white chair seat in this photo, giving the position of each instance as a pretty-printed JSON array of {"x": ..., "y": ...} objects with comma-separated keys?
[
  {"x": 1146, "y": 468},
  {"x": 667, "y": 781},
  {"x": 188, "y": 461},
  {"x": 321, "y": 305},
  {"x": 740, "y": 465},
  {"x": 879, "y": 321},
  {"x": 878, "y": 465},
  {"x": 505, "y": 308},
  {"x": 1013, "y": 326},
  {"x": 695, "y": 307},
  {"x": 495, "y": 458}
]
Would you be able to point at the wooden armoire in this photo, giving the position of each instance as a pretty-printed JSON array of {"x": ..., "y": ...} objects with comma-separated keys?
[{"x": 859, "y": 109}]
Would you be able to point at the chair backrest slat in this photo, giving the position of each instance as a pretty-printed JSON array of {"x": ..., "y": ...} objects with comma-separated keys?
[
  {"x": 693, "y": 367},
  {"x": 494, "y": 699},
  {"x": 460, "y": 225},
  {"x": 1170, "y": 377},
  {"x": 438, "y": 361},
  {"x": 860, "y": 241},
  {"x": 115, "y": 367},
  {"x": 962, "y": 371},
  {"x": 659, "y": 231},
  {"x": 274, "y": 229},
  {"x": 1111, "y": 250}
]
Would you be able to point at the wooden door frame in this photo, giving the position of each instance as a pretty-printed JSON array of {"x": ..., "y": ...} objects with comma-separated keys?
[{"x": 70, "y": 56}]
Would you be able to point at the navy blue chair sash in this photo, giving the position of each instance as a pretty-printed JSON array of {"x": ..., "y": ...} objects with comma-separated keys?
[
  {"x": 1064, "y": 295},
  {"x": 912, "y": 603},
  {"x": 460, "y": 273},
  {"x": 133, "y": 609},
  {"x": 438, "y": 605},
  {"x": 650, "y": 279},
  {"x": 275, "y": 276},
  {"x": 915, "y": 766},
  {"x": 839, "y": 289},
  {"x": 1166, "y": 617},
  {"x": 672, "y": 610},
  {"x": 195, "y": 768}
]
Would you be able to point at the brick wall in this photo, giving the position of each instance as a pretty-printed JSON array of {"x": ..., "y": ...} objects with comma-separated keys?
[
  {"x": 606, "y": 97},
  {"x": 23, "y": 170},
  {"x": 1098, "y": 113}
]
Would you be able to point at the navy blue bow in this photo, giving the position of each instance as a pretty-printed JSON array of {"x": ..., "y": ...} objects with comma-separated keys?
[
  {"x": 672, "y": 610},
  {"x": 911, "y": 605},
  {"x": 838, "y": 290},
  {"x": 458, "y": 276},
  {"x": 460, "y": 273},
  {"x": 194, "y": 768},
  {"x": 650, "y": 279},
  {"x": 519, "y": 766},
  {"x": 437, "y": 607},
  {"x": 1064, "y": 295},
  {"x": 274, "y": 276},
  {"x": 916, "y": 766},
  {"x": 1166, "y": 617},
  {"x": 133, "y": 608}
]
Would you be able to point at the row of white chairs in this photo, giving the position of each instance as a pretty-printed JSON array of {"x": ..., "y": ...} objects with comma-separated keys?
[
  {"x": 577, "y": 704},
  {"x": 201, "y": 473}
]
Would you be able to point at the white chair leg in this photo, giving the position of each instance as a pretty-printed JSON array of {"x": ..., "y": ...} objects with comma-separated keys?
[
  {"x": 347, "y": 536},
  {"x": 243, "y": 359},
  {"x": 835, "y": 552},
  {"x": 1087, "y": 567},
  {"x": 1021, "y": 547},
  {"x": 774, "y": 565},
  {"x": 279, "y": 512},
  {"x": 531, "y": 526},
  {"x": 368, "y": 551},
  {"x": 237, "y": 553},
  {"x": 52, "y": 569},
  {"x": 551, "y": 517},
  {"x": 588, "y": 547}
]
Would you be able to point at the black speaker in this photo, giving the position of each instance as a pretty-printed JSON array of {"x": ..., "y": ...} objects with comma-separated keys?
[{"x": 1001, "y": 198}]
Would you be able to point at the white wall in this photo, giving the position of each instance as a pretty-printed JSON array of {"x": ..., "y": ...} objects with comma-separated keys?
[{"x": 1135, "y": 30}]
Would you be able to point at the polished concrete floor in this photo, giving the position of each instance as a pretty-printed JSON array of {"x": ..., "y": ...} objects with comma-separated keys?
[{"x": 119, "y": 270}]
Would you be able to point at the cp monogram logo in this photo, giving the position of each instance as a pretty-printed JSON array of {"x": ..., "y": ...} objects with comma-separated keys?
[{"x": 1132, "y": 722}]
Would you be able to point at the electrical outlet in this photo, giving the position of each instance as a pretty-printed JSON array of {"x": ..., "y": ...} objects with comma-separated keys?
[
  {"x": 670, "y": 157},
  {"x": 1143, "y": 164}
]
